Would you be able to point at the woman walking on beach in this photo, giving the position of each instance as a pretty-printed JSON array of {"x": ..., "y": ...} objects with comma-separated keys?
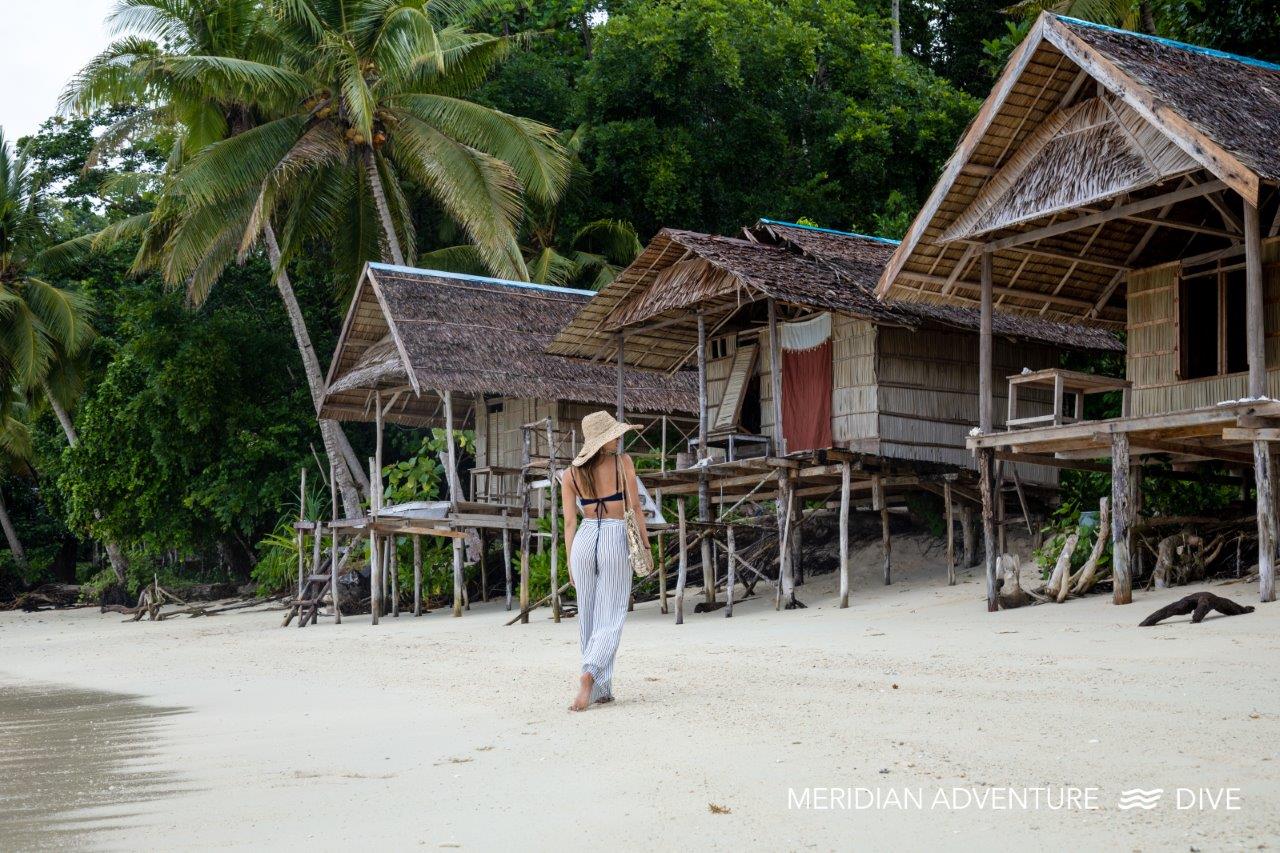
[{"x": 602, "y": 483}]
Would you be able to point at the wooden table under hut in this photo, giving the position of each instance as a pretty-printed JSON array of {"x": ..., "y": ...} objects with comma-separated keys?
[
  {"x": 425, "y": 348},
  {"x": 1121, "y": 181},
  {"x": 810, "y": 389}
]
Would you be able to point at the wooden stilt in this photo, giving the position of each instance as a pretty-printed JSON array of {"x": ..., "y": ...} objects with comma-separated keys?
[
  {"x": 969, "y": 537},
  {"x": 704, "y": 488},
  {"x": 524, "y": 530},
  {"x": 986, "y": 458},
  {"x": 795, "y": 536},
  {"x": 554, "y": 510},
  {"x": 1263, "y": 468},
  {"x": 417, "y": 575},
  {"x": 683, "y": 544},
  {"x": 333, "y": 547},
  {"x": 886, "y": 545},
  {"x": 662, "y": 552},
  {"x": 484, "y": 565},
  {"x": 845, "y": 477},
  {"x": 951, "y": 532},
  {"x": 506, "y": 558},
  {"x": 394, "y": 569},
  {"x": 1264, "y": 472},
  {"x": 301, "y": 536},
  {"x": 730, "y": 576},
  {"x": 786, "y": 582},
  {"x": 986, "y": 474},
  {"x": 375, "y": 572},
  {"x": 1121, "y": 520}
]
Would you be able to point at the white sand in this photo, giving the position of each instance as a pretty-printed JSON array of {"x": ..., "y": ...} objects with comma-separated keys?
[{"x": 453, "y": 732}]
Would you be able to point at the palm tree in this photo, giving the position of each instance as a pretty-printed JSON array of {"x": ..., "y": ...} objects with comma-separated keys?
[
  {"x": 43, "y": 328},
  {"x": 15, "y": 460},
  {"x": 385, "y": 106},
  {"x": 592, "y": 257},
  {"x": 202, "y": 70}
]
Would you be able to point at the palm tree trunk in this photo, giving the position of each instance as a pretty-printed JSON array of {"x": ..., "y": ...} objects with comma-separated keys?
[
  {"x": 15, "y": 544},
  {"x": 330, "y": 431},
  {"x": 119, "y": 563},
  {"x": 384, "y": 212},
  {"x": 897, "y": 29},
  {"x": 1147, "y": 16}
]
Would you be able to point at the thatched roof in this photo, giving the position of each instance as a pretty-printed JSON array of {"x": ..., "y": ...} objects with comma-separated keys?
[
  {"x": 413, "y": 333},
  {"x": 1098, "y": 151},
  {"x": 655, "y": 300}
]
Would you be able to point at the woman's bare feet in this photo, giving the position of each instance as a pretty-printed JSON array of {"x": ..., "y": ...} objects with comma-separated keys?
[{"x": 583, "y": 700}]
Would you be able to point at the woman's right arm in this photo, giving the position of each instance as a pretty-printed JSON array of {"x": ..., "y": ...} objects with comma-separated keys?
[{"x": 569, "y": 508}]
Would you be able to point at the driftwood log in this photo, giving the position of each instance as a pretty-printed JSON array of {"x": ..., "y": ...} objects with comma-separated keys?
[{"x": 1198, "y": 605}]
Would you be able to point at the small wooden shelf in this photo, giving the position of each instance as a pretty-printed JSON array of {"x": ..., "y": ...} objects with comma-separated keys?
[{"x": 1061, "y": 383}]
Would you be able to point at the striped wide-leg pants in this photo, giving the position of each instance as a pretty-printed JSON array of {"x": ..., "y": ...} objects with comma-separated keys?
[{"x": 602, "y": 576}]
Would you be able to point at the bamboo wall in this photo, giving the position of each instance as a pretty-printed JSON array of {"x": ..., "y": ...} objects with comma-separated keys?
[
  {"x": 499, "y": 441},
  {"x": 905, "y": 394},
  {"x": 928, "y": 385},
  {"x": 853, "y": 379},
  {"x": 1151, "y": 361}
]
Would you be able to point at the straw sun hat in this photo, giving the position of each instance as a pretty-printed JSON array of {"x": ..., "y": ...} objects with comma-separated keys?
[{"x": 598, "y": 429}]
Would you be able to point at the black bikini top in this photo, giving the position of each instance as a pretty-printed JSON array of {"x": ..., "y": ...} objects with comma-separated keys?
[
  {"x": 599, "y": 503},
  {"x": 616, "y": 496}
]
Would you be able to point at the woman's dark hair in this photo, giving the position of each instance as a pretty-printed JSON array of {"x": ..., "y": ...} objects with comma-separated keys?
[{"x": 588, "y": 471}]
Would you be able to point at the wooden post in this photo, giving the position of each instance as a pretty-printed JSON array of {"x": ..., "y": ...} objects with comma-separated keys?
[
  {"x": 1255, "y": 310},
  {"x": 315, "y": 551},
  {"x": 376, "y": 485},
  {"x": 704, "y": 486},
  {"x": 484, "y": 564},
  {"x": 1263, "y": 470},
  {"x": 985, "y": 399},
  {"x": 375, "y": 572},
  {"x": 333, "y": 546},
  {"x": 451, "y": 478},
  {"x": 730, "y": 577},
  {"x": 845, "y": 477},
  {"x": 951, "y": 532},
  {"x": 1121, "y": 519},
  {"x": 417, "y": 575},
  {"x": 524, "y": 530},
  {"x": 775, "y": 379},
  {"x": 393, "y": 566},
  {"x": 968, "y": 535},
  {"x": 1257, "y": 350},
  {"x": 554, "y": 510},
  {"x": 786, "y": 583},
  {"x": 622, "y": 343},
  {"x": 301, "y": 535},
  {"x": 885, "y": 544},
  {"x": 506, "y": 557},
  {"x": 986, "y": 473},
  {"x": 683, "y": 560},
  {"x": 662, "y": 551}
]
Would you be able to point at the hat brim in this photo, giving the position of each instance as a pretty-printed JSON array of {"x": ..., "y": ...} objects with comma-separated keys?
[{"x": 618, "y": 430}]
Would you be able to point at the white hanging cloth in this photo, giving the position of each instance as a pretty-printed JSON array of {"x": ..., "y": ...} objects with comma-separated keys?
[{"x": 805, "y": 335}]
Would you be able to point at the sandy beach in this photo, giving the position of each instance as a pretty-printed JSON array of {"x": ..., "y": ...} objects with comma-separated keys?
[{"x": 441, "y": 732}]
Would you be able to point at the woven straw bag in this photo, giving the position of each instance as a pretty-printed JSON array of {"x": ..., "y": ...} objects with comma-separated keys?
[{"x": 637, "y": 551}]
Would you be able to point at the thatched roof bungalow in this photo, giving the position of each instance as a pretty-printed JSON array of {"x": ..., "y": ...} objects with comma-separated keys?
[
  {"x": 1130, "y": 182},
  {"x": 903, "y": 383},
  {"x": 411, "y": 334}
]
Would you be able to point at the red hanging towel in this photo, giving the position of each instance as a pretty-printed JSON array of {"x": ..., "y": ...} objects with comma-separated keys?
[{"x": 806, "y": 384}]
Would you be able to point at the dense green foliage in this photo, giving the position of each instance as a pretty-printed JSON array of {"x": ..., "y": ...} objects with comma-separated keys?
[{"x": 194, "y": 419}]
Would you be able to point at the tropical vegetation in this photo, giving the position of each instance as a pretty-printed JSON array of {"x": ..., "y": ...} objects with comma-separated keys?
[{"x": 179, "y": 241}]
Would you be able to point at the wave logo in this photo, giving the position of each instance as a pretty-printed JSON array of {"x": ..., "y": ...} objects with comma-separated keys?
[{"x": 1140, "y": 798}]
